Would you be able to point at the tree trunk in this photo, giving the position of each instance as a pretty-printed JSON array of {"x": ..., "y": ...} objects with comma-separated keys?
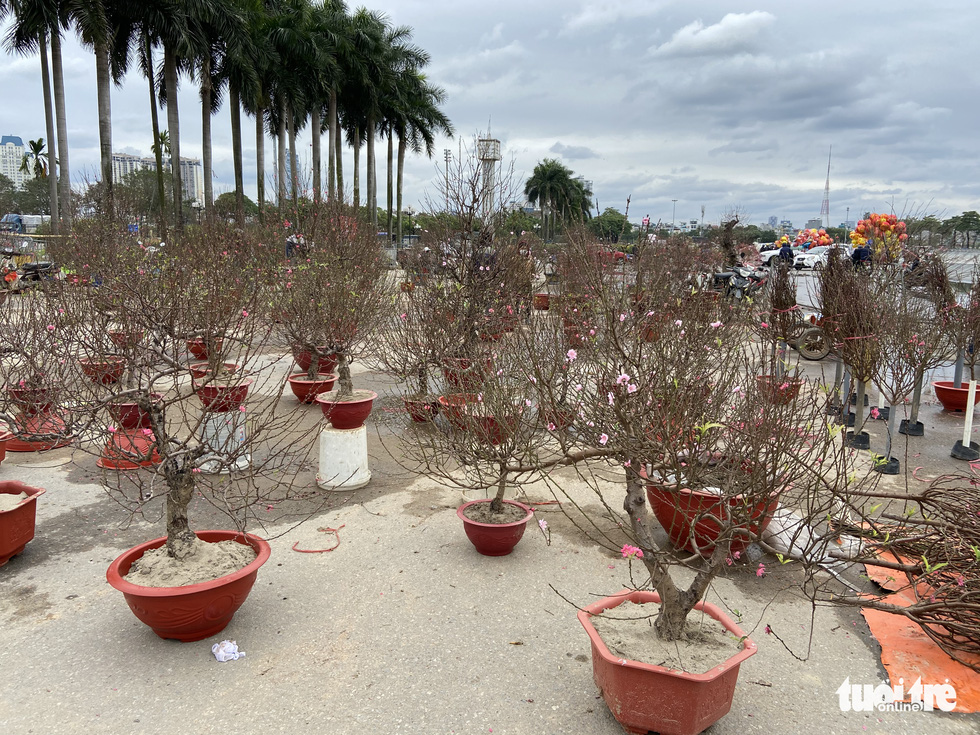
[
  {"x": 345, "y": 386},
  {"x": 293, "y": 177},
  {"x": 398, "y": 187},
  {"x": 173, "y": 125},
  {"x": 339, "y": 162},
  {"x": 357, "y": 169},
  {"x": 235, "y": 105},
  {"x": 103, "y": 84},
  {"x": 260, "y": 161},
  {"x": 390, "y": 183},
  {"x": 332, "y": 147},
  {"x": 315, "y": 125},
  {"x": 64, "y": 170},
  {"x": 49, "y": 130},
  {"x": 157, "y": 148},
  {"x": 372, "y": 174},
  {"x": 206, "y": 138},
  {"x": 180, "y": 491},
  {"x": 281, "y": 158}
]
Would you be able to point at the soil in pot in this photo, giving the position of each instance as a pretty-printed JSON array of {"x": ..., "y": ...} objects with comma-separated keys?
[
  {"x": 205, "y": 562},
  {"x": 482, "y": 513},
  {"x": 495, "y": 537},
  {"x": 348, "y": 413},
  {"x": 9, "y": 501},
  {"x": 628, "y": 633}
]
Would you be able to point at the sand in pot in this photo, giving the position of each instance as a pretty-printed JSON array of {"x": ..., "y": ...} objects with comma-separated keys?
[
  {"x": 9, "y": 501},
  {"x": 481, "y": 513},
  {"x": 205, "y": 562},
  {"x": 627, "y": 631}
]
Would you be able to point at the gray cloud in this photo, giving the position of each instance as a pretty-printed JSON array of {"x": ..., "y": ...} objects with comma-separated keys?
[{"x": 572, "y": 152}]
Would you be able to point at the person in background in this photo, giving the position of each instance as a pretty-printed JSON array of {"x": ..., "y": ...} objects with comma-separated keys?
[{"x": 786, "y": 253}]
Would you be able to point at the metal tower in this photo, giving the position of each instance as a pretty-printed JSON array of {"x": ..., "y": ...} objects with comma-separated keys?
[
  {"x": 488, "y": 151},
  {"x": 825, "y": 206}
]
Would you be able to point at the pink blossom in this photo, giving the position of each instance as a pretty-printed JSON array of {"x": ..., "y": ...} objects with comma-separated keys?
[
  {"x": 761, "y": 571},
  {"x": 51, "y": 327},
  {"x": 543, "y": 524},
  {"x": 147, "y": 432},
  {"x": 592, "y": 333},
  {"x": 612, "y": 398},
  {"x": 874, "y": 412},
  {"x": 631, "y": 388},
  {"x": 622, "y": 317},
  {"x": 551, "y": 426},
  {"x": 527, "y": 402},
  {"x": 578, "y": 386},
  {"x": 677, "y": 322},
  {"x": 196, "y": 470},
  {"x": 765, "y": 326},
  {"x": 244, "y": 313},
  {"x": 729, "y": 561},
  {"x": 112, "y": 429},
  {"x": 603, "y": 439},
  {"x": 623, "y": 378},
  {"x": 627, "y": 463},
  {"x": 960, "y": 581},
  {"x": 629, "y": 552},
  {"x": 403, "y": 316},
  {"x": 571, "y": 355},
  {"x": 242, "y": 409},
  {"x": 768, "y": 630},
  {"x": 715, "y": 325}
]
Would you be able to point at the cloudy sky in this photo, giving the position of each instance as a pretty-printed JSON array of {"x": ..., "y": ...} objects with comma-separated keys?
[{"x": 714, "y": 104}]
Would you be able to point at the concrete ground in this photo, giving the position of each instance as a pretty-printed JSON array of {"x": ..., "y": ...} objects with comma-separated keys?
[{"x": 404, "y": 628}]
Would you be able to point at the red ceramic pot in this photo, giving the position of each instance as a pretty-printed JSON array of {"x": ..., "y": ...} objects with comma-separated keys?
[
  {"x": 542, "y": 301},
  {"x": 494, "y": 539},
  {"x": 304, "y": 358},
  {"x": 643, "y": 697},
  {"x": 199, "y": 347},
  {"x": 195, "y": 611},
  {"x": 454, "y": 408},
  {"x": 682, "y": 514},
  {"x": 421, "y": 410},
  {"x": 106, "y": 371},
  {"x": 130, "y": 416},
  {"x": 125, "y": 340},
  {"x": 346, "y": 414},
  {"x": 202, "y": 369},
  {"x": 953, "y": 399},
  {"x": 129, "y": 449},
  {"x": 221, "y": 398},
  {"x": 33, "y": 400},
  {"x": 781, "y": 391},
  {"x": 307, "y": 390},
  {"x": 5, "y": 436},
  {"x": 17, "y": 524}
]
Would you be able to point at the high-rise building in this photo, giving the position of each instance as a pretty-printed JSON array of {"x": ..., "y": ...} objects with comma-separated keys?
[
  {"x": 191, "y": 172},
  {"x": 11, "y": 157}
]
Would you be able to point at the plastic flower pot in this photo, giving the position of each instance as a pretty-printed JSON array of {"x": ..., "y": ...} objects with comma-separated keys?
[
  {"x": 201, "y": 370},
  {"x": 195, "y": 611},
  {"x": 421, "y": 410},
  {"x": 33, "y": 400},
  {"x": 684, "y": 515},
  {"x": 647, "y": 698},
  {"x": 304, "y": 358},
  {"x": 17, "y": 524},
  {"x": 541, "y": 301},
  {"x": 346, "y": 414},
  {"x": 106, "y": 371},
  {"x": 781, "y": 391},
  {"x": 465, "y": 374},
  {"x": 222, "y": 398},
  {"x": 125, "y": 339},
  {"x": 494, "y": 539},
  {"x": 199, "y": 347},
  {"x": 952, "y": 398},
  {"x": 307, "y": 390}
]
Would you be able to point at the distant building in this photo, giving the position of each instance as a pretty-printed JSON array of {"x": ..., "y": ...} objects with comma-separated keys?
[
  {"x": 191, "y": 172},
  {"x": 814, "y": 224},
  {"x": 11, "y": 157},
  {"x": 773, "y": 221}
]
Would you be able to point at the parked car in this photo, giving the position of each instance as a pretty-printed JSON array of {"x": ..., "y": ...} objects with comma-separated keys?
[
  {"x": 816, "y": 258},
  {"x": 766, "y": 256}
]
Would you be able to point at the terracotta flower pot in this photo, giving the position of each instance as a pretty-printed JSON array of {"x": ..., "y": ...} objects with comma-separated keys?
[
  {"x": 221, "y": 398},
  {"x": 17, "y": 524},
  {"x": 953, "y": 399},
  {"x": 781, "y": 391},
  {"x": 33, "y": 401},
  {"x": 106, "y": 371},
  {"x": 541, "y": 301},
  {"x": 465, "y": 374},
  {"x": 195, "y": 611},
  {"x": 421, "y": 410},
  {"x": 307, "y": 390},
  {"x": 304, "y": 358},
  {"x": 124, "y": 339},
  {"x": 129, "y": 415},
  {"x": 461, "y": 410},
  {"x": 494, "y": 539},
  {"x": 201, "y": 370},
  {"x": 199, "y": 347},
  {"x": 346, "y": 414},
  {"x": 682, "y": 514},
  {"x": 643, "y": 697}
]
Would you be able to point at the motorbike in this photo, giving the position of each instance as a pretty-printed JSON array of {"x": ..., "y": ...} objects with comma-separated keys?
[{"x": 740, "y": 282}]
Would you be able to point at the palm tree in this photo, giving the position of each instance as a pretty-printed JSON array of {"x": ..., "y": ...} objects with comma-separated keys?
[
  {"x": 548, "y": 186},
  {"x": 35, "y": 161}
]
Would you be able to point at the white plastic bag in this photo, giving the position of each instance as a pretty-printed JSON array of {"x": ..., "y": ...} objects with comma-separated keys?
[{"x": 227, "y": 651}]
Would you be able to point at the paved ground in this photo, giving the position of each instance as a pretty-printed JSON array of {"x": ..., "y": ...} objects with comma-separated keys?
[{"x": 403, "y": 629}]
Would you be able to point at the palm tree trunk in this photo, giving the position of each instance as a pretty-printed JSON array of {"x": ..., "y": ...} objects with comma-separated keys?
[
  {"x": 281, "y": 157},
  {"x": 339, "y": 146},
  {"x": 206, "y": 137},
  {"x": 173, "y": 125},
  {"x": 260, "y": 160},
  {"x": 332, "y": 148},
  {"x": 64, "y": 171},
  {"x": 357, "y": 169},
  {"x": 372, "y": 174},
  {"x": 390, "y": 180},
  {"x": 235, "y": 104},
  {"x": 398, "y": 186},
  {"x": 293, "y": 183},
  {"x": 49, "y": 129},
  {"x": 315, "y": 125},
  {"x": 157, "y": 148},
  {"x": 103, "y": 83}
]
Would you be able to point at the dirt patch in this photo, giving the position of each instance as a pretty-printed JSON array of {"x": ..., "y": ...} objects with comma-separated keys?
[
  {"x": 482, "y": 513},
  {"x": 205, "y": 562},
  {"x": 628, "y": 632}
]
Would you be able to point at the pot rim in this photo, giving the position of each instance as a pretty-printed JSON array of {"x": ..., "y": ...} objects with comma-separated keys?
[
  {"x": 115, "y": 576},
  {"x": 16, "y": 487},
  {"x": 301, "y": 378},
  {"x": 372, "y": 397},
  {"x": 749, "y": 647},
  {"x": 529, "y": 512}
]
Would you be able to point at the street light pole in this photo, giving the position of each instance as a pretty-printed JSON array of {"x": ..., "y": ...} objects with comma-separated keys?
[
  {"x": 673, "y": 216},
  {"x": 447, "y": 154},
  {"x": 410, "y": 210}
]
